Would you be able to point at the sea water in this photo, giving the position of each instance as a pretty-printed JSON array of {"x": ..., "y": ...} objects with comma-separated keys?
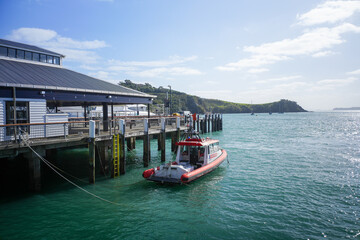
[{"x": 289, "y": 176}]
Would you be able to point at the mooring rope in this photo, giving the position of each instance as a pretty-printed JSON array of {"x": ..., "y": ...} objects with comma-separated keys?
[{"x": 50, "y": 166}]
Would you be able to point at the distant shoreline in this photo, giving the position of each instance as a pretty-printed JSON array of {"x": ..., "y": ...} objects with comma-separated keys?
[{"x": 351, "y": 108}]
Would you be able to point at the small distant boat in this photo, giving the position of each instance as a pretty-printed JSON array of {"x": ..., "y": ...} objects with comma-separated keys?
[
  {"x": 252, "y": 113},
  {"x": 195, "y": 157},
  {"x": 270, "y": 113}
]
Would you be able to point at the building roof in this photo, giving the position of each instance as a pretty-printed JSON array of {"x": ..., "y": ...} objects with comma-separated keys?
[
  {"x": 29, "y": 75},
  {"x": 23, "y": 46}
]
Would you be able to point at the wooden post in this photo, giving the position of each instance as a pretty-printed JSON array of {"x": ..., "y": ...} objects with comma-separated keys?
[
  {"x": 104, "y": 157},
  {"x": 209, "y": 129},
  {"x": 212, "y": 122},
  {"x": 133, "y": 143},
  {"x": 92, "y": 152},
  {"x": 201, "y": 126},
  {"x": 122, "y": 146},
  {"x": 205, "y": 123},
  {"x": 215, "y": 122},
  {"x": 159, "y": 141},
  {"x": 146, "y": 154},
  {"x": 163, "y": 139},
  {"x": 105, "y": 117},
  {"x": 34, "y": 164},
  {"x": 198, "y": 122},
  {"x": 218, "y": 125},
  {"x": 177, "y": 136},
  {"x": 221, "y": 123}
]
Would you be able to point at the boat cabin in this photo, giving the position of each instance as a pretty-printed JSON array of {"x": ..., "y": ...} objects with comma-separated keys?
[{"x": 197, "y": 152}]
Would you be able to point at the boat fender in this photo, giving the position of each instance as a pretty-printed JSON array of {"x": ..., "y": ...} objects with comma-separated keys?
[
  {"x": 184, "y": 178},
  {"x": 174, "y": 163},
  {"x": 148, "y": 173}
]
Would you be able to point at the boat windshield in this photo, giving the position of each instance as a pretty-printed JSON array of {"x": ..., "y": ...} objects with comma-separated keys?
[{"x": 192, "y": 154}]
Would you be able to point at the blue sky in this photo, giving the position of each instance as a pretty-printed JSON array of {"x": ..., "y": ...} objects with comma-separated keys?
[{"x": 240, "y": 51}]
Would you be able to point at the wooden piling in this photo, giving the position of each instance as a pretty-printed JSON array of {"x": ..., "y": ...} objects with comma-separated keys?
[
  {"x": 163, "y": 139},
  {"x": 34, "y": 164},
  {"x": 198, "y": 123},
  {"x": 91, "y": 160},
  {"x": 91, "y": 147},
  {"x": 102, "y": 149},
  {"x": 209, "y": 120},
  {"x": 122, "y": 146},
  {"x": 159, "y": 141},
  {"x": 205, "y": 123},
  {"x": 146, "y": 154}
]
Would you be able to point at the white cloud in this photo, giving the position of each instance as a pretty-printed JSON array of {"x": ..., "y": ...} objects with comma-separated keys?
[
  {"x": 32, "y": 35},
  {"x": 174, "y": 71},
  {"x": 331, "y": 84},
  {"x": 323, "y": 54},
  {"x": 252, "y": 62},
  {"x": 258, "y": 70},
  {"x": 279, "y": 79},
  {"x": 74, "y": 50},
  {"x": 82, "y": 56},
  {"x": 159, "y": 63},
  {"x": 101, "y": 75},
  {"x": 173, "y": 66},
  {"x": 329, "y": 12},
  {"x": 309, "y": 43},
  {"x": 355, "y": 72}
]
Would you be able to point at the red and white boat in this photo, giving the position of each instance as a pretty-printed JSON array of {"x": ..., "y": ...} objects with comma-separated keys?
[{"x": 195, "y": 157}]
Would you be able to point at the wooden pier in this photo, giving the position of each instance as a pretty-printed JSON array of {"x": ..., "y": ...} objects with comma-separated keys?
[{"x": 117, "y": 134}]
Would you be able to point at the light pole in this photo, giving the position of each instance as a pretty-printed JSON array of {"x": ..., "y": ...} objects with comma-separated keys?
[{"x": 170, "y": 100}]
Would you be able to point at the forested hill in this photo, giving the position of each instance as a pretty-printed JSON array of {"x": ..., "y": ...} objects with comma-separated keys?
[{"x": 184, "y": 102}]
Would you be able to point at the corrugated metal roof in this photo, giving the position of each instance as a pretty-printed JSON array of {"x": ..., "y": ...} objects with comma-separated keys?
[
  {"x": 23, "y": 46},
  {"x": 29, "y": 75}
]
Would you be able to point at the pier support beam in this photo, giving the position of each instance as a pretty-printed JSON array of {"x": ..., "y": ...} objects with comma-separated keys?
[
  {"x": 205, "y": 123},
  {"x": 209, "y": 120},
  {"x": 122, "y": 146},
  {"x": 105, "y": 117},
  {"x": 91, "y": 147},
  {"x": 198, "y": 122},
  {"x": 162, "y": 139},
  {"x": 146, "y": 154},
  {"x": 159, "y": 141},
  {"x": 34, "y": 164},
  {"x": 221, "y": 123},
  {"x": 131, "y": 143},
  {"x": 102, "y": 148}
]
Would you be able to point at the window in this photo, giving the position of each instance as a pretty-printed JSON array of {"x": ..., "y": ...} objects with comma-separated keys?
[
  {"x": 3, "y": 51},
  {"x": 49, "y": 59},
  {"x": 22, "y": 116},
  {"x": 57, "y": 60},
  {"x": 28, "y": 55},
  {"x": 42, "y": 58},
  {"x": 20, "y": 54},
  {"x": 36, "y": 57},
  {"x": 11, "y": 52}
]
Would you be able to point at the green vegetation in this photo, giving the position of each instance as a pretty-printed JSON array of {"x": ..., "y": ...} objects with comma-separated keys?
[{"x": 184, "y": 102}]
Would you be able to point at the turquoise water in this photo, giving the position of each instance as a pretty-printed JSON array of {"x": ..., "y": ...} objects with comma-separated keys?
[{"x": 291, "y": 176}]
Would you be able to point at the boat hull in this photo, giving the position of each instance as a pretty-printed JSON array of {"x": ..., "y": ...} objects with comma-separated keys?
[
  {"x": 187, "y": 177},
  {"x": 193, "y": 175}
]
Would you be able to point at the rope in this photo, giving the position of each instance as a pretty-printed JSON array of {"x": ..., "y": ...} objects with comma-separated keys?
[{"x": 53, "y": 168}]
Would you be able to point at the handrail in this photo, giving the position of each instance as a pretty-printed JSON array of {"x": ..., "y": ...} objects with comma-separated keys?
[{"x": 34, "y": 124}]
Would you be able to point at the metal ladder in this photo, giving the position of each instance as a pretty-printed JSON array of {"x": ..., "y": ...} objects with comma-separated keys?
[{"x": 116, "y": 155}]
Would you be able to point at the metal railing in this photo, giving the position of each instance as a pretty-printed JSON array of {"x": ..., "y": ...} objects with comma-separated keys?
[{"x": 10, "y": 133}]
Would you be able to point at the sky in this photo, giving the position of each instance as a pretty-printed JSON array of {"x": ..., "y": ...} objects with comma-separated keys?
[{"x": 242, "y": 51}]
